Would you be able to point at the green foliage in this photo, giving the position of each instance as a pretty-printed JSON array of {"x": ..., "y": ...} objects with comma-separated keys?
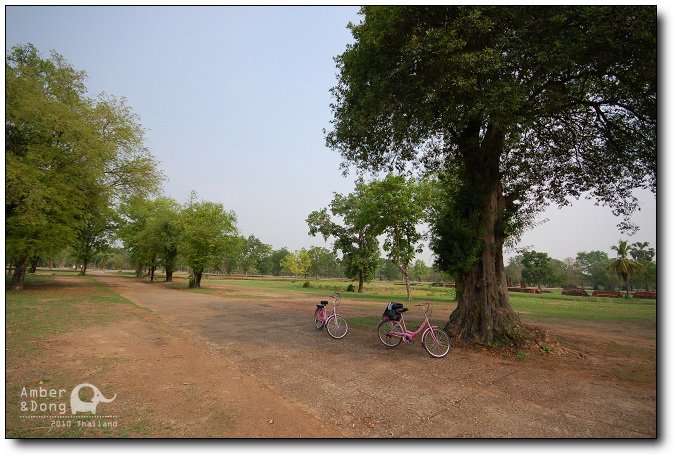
[
  {"x": 69, "y": 160},
  {"x": 53, "y": 156},
  {"x": 94, "y": 235},
  {"x": 516, "y": 107},
  {"x": 622, "y": 265},
  {"x": 130, "y": 169},
  {"x": 297, "y": 263},
  {"x": 355, "y": 238},
  {"x": 420, "y": 271},
  {"x": 536, "y": 267},
  {"x": 426, "y": 84},
  {"x": 514, "y": 268},
  {"x": 455, "y": 225},
  {"x": 254, "y": 255},
  {"x": 394, "y": 207},
  {"x": 546, "y": 348},
  {"x": 233, "y": 254},
  {"x": 323, "y": 262},
  {"x": 594, "y": 266},
  {"x": 276, "y": 259},
  {"x": 205, "y": 229},
  {"x": 647, "y": 275},
  {"x": 151, "y": 231},
  {"x": 386, "y": 270}
]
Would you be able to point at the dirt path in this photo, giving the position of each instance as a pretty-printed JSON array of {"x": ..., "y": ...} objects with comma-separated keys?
[{"x": 264, "y": 361}]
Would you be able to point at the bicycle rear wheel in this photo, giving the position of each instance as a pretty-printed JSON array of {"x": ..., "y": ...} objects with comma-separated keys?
[
  {"x": 337, "y": 327},
  {"x": 388, "y": 326},
  {"x": 437, "y": 346},
  {"x": 317, "y": 320}
]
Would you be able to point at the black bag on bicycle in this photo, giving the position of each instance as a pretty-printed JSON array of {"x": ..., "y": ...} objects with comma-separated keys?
[{"x": 393, "y": 311}]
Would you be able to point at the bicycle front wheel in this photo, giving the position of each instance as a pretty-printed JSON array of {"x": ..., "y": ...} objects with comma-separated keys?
[
  {"x": 317, "y": 320},
  {"x": 437, "y": 345},
  {"x": 337, "y": 327},
  {"x": 384, "y": 328}
]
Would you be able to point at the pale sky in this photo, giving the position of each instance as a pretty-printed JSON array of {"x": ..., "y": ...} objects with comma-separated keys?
[{"x": 234, "y": 101}]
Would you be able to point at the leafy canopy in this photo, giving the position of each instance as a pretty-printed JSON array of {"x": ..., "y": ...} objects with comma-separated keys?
[
  {"x": 568, "y": 91},
  {"x": 205, "y": 229}
]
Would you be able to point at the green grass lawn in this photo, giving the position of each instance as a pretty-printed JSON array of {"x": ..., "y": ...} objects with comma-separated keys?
[
  {"x": 543, "y": 306},
  {"x": 46, "y": 308},
  {"x": 535, "y": 306}
]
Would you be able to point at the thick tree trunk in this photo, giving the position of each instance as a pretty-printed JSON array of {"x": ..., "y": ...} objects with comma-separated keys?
[
  {"x": 195, "y": 279},
  {"x": 484, "y": 314},
  {"x": 85, "y": 264},
  {"x": 170, "y": 264},
  {"x": 20, "y": 267}
]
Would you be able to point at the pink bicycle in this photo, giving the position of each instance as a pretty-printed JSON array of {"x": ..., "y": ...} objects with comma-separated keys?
[
  {"x": 393, "y": 330},
  {"x": 337, "y": 327}
]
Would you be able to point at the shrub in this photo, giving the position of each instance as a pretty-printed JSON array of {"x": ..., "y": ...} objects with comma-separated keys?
[
  {"x": 350, "y": 288},
  {"x": 307, "y": 284}
]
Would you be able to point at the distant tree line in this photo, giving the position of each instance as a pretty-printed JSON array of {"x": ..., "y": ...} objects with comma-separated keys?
[{"x": 633, "y": 267}]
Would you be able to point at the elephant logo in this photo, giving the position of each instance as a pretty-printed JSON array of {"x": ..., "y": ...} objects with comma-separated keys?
[{"x": 77, "y": 405}]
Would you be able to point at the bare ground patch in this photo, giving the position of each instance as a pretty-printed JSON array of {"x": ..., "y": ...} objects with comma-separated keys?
[{"x": 213, "y": 365}]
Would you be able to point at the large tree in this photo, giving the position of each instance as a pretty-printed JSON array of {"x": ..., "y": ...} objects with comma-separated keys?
[
  {"x": 644, "y": 254},
  {"x": 53, "y": 156},
  {"x": 297, "y": 263},
  {"x": 355, "y": 236},
  {"x": 253, "y": 254},
  {"x": 70, "y": 160},
  {"x": 324, "y": 262},
  {"x": 623, "y": 266},
  {"x": 594, "y": 268},
  {"x": 396, "y": 206},
  {"x": 95, "y": 233},
  {"x": 536, "y": 267},
  {"x": 206, "y": 229},
  {"x": 515, "y": 108}
]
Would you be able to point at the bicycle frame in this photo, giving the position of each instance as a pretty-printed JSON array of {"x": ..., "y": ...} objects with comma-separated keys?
[
  {"x": 323, "y": 315},
  {"x": 407, "y": 335}
]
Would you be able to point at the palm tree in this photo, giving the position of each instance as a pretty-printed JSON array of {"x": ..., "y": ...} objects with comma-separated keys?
[
  {"x": 642, "y": 253},
  {"x": 622, "y": 266}
]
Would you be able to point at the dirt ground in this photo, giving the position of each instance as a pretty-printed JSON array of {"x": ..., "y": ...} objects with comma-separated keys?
[{"x": 199, "y": 365}]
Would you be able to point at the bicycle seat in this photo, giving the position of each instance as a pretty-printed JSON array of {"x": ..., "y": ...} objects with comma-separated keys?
[
  {"x": 322, "y": 304},
  {"x": 402, "y": 310}
]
